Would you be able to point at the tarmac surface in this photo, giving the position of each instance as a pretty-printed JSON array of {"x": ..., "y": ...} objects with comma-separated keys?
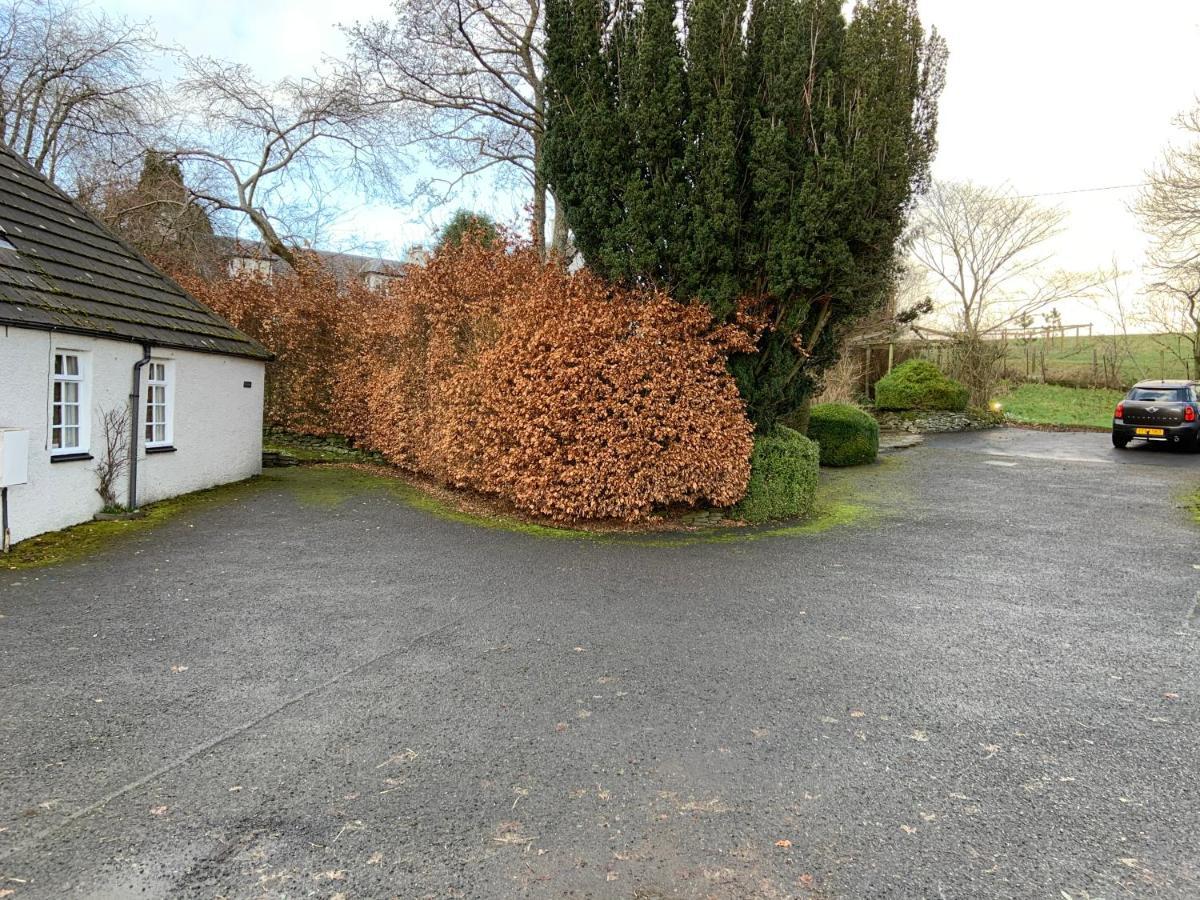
[{"x": 986, "y": 687}]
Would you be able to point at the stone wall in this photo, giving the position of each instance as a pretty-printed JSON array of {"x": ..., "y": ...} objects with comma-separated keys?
[
  {"x": 937, "y": 422},
  {"x": 316, "y": 445}
]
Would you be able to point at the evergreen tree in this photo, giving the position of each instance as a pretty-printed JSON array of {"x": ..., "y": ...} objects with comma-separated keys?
[
  {"x": 647, "y": 69},
  {"x": 583, "y": 151},
  {"x": 466, "y": 224},
  {"x": 785, "y": 179},
  {"x": 716, "y": 123}
]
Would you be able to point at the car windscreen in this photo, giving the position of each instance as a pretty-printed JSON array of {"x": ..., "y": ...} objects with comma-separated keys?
[{"x": 1159, "y": 395}]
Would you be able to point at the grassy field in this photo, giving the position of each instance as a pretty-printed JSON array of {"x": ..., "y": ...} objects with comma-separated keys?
[
  {"x": 1049, "y": 404},
  {"x": 1081, "y": 360}
]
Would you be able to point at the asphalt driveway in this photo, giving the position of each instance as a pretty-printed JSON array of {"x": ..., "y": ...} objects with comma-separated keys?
[{"x": 987, "y": 687}]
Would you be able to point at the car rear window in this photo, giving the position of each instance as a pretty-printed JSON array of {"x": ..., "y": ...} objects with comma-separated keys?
[{"x": 1159, "y": 395}]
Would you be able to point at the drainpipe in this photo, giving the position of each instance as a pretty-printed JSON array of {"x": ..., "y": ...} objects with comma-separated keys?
[{"x": 135, "y": 402}]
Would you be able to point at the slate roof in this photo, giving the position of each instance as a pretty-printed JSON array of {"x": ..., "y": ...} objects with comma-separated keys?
[
  {"x": 344, "y": 265},
  {"x": 66, "y": 272}
]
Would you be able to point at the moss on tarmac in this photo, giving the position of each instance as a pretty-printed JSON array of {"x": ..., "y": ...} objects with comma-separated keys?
[
  {"x": 844, "y": 497},
  {"x": 54, "y": 547}
]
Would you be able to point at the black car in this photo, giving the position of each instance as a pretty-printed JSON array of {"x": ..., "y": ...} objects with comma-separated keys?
[{"x": 1166, "y": 411}]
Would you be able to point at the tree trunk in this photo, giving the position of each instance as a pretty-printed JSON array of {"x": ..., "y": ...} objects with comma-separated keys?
[
  {"x": 271, "y": 238},
  {"x": 561, "y": 230},
  {"x": 539, "y": 199}
]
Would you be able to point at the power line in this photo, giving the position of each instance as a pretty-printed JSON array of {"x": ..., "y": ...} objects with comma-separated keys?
[{"x": 1091, "y": 190}]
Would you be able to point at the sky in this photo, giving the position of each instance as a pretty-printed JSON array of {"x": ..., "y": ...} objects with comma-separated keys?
[{"x": 1051, "y": 97}]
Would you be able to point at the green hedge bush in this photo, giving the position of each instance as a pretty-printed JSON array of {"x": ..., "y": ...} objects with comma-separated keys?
[
  {"x": 783, "y": 477},
  {"x": 919, "y": 384},
  {"x": 847, "y": 435}
]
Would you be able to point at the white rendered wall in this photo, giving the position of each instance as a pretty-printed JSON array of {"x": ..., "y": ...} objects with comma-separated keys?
[{"x": 217, "y": 424}]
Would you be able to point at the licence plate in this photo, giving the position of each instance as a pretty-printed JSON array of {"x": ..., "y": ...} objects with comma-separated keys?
[{"x": 1149, "y": 432}]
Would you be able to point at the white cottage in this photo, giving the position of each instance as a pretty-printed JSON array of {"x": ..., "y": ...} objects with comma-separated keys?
[{"x": 89, "y": 327}]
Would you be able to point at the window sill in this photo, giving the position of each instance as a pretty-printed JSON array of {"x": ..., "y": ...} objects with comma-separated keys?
[
  {"x": 167, "y": 448},
  {"x": 69, "y": 457}
]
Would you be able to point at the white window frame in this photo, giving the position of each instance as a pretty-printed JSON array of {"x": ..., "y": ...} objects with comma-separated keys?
[
  {"x": 83, "y": 401},
  {"x": 159, "y": 396}
]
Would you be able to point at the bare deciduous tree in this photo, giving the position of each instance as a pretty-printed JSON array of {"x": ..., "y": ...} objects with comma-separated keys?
[
  {"x": 466, "y": 77},
  {"x": 114, "y": 455},
  {"x": 275, "y": 153},
  {"x": 989, "y": 251},
  {"x": 1170, "y": 211},
  {"x": 74, "y": 92}
]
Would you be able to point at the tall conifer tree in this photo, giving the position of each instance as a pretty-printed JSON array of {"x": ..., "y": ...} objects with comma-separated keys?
[
  {"x": 717, "y": 119},
  {"x": 804, "y": 140}
]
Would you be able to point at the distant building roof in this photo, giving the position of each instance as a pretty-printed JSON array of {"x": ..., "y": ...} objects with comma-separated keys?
[
  {"x": 61, "y": 270},
  {"x": 344, "y": 265}
]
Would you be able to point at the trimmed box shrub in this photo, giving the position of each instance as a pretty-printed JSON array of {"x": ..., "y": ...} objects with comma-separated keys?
[
  {"x": 919, "y": 384},
  {"x": 783, "y": 477},
  {"x": 847, "y": 435}
]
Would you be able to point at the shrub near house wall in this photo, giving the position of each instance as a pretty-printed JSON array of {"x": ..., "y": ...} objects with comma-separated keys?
[
  {"x": 565, "y": 395},
  {"x": 847, "y": 435},
  {"x": 486, "y": 369},
  {"x": 783, "y": 477},
  {"x": 311, "y": 324},
  {"x": 919, "y": 384}
]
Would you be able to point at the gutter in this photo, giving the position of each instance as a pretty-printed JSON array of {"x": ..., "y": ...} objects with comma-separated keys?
[{"x": 135, "y": 398}]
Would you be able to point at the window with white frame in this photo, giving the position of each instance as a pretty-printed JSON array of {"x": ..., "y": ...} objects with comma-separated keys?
[
  {"x": 68, "y": 404},
  {"x": 158, "y": 404}
]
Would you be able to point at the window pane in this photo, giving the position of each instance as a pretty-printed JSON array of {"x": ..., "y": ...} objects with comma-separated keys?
[
  {"x": 70, "y": 437},
  {"x": 72, "y": 365},
  {"x": 56, "y": 438},
  {"x": 70, "y": 391},
  {"x": 58, "y": 364},
  {"x": 70, "y": 416},
  {"x": 160, "y": 433}
]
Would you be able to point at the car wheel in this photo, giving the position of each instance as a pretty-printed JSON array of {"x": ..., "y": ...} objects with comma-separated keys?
[{"x": 1120, "y": 441}]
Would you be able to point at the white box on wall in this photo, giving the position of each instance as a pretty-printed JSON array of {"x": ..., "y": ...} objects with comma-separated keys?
[{"x": 14, "y": 456}]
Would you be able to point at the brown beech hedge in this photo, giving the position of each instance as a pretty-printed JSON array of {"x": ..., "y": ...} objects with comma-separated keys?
[{"x": 567, "y": 396}]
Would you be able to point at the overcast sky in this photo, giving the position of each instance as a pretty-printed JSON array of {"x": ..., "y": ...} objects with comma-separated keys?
[{"x": 1049, "y": 96}]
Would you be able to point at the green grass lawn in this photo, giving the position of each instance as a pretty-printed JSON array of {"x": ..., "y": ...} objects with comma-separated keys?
[
  {"x": 1081, "y": 360},
  {"x": 1049, "y": 404}
]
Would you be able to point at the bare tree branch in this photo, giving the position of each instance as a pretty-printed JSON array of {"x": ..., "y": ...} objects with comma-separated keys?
[
  {"x": 76, "y": 98},
  {"x": 1170, "y": 211},
  {"x": 250, "y": 148},
  {"x": 465, "y": 76},
  {"x": 989, "y": 249}
]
